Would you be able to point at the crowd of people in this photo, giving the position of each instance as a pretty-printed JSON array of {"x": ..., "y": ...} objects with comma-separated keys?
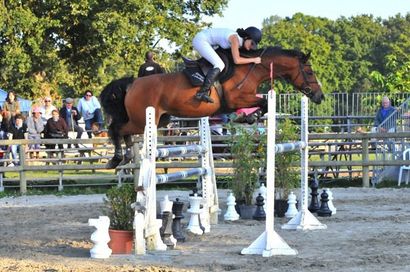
[{"x": 47, "y": 121}]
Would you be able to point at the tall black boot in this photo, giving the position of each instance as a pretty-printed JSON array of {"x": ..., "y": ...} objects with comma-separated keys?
[{"x": 203, "y": 93}]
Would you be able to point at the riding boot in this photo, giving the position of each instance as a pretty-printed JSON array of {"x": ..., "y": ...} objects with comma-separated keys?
[{"x": 204, "y": 91}]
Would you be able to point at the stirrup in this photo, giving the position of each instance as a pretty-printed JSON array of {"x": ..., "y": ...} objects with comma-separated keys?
[{"x": 204, "y": 97}]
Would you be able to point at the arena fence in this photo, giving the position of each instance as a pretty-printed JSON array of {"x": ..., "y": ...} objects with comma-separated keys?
[{"x": 331, "y": 155}]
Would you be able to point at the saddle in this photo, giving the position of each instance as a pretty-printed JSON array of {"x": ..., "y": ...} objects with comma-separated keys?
[{"x": 196, "y": 70}]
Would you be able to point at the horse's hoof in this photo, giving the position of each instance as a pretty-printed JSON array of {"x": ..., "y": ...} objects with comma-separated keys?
[
  {"x": 126, "y": 160},
  {"x": 113, "y": 163}
]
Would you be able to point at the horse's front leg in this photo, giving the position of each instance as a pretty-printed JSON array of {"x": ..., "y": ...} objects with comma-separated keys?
[{"x": 263, "y": 104}]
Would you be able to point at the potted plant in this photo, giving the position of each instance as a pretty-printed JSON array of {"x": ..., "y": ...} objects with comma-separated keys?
[
  {"x": 245, "y": 144},
  {"x": 118, "y": 208},
  {"x": 287, "y": 177}
]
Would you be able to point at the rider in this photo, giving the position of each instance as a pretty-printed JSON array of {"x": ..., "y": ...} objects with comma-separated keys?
[{"x": 205, "y": 41}]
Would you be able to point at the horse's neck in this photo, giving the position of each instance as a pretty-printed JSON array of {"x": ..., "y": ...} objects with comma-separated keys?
[
  {"x": 282, "y": 65},
  {"x": 246, "y": 78}
]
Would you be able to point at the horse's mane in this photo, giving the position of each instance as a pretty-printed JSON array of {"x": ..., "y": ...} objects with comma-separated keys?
[{"x": 272, "y": 50}]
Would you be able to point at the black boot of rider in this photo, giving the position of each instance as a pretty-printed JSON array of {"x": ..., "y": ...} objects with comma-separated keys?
[{"x": 203, "y": 93}]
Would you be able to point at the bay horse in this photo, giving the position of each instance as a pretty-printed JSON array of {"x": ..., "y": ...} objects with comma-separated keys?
[{"x": 125, "y": 100}]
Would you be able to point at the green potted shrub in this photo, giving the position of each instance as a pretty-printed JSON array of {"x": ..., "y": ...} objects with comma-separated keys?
[
  {"x": 287, "y": 177},
  {"x": 245, "y": 145},
  {"x": 118, "y": 208}
]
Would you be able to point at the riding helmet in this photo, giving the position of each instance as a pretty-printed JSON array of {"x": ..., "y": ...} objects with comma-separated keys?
[{"x": 254, "y": 33}]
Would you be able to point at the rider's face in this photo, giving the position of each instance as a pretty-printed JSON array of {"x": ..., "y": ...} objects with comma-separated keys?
[{"x": 249, "y": 44}]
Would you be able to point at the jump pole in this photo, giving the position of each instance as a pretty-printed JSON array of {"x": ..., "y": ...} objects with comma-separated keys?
[{"x": 269, "y": 243}]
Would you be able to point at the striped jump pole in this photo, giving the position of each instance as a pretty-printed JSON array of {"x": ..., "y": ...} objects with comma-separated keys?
[{"x": 180, "y": 150}]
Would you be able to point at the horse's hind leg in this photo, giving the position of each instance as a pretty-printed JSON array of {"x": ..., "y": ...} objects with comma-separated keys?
[
  {"x": 115, "y": 161},
  {"x": 128, "y": 156}
]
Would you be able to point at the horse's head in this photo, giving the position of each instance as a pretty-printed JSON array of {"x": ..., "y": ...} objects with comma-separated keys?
[{"x": 293, "y": 66}]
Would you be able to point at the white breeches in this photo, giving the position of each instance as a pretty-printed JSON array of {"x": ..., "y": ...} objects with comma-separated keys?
[{"x": 206, "y": 50}]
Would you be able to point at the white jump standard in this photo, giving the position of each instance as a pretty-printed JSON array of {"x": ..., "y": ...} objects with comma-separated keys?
[
  {"x": 304, "y": 219},
  {"x": 146, "y": 226},
  {"x": 269, "y": 243}
]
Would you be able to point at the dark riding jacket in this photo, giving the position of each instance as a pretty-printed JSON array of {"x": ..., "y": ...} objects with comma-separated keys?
[{"x": 150, "y": 68}]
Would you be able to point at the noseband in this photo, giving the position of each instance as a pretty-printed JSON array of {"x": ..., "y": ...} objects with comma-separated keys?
[{"x": 305, "y": 89}]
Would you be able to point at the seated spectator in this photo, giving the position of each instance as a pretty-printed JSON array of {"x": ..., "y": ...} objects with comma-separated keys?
[
  {"x": 47, "y": 109},
  {"x": 385, "y": 110},
  {"x": 35, "y": 127},
  {"x": 55, "y": 128},
  {"x": 89, "y": 107},
  {"x": 18, "y": 131},
  {"x": 3, "y": 128},
  {"x": 3, "y": 134},
  {"x": 71, "y": 115},
  {"x": 11, "y": 107},
  {"x": 217, "y": 124}
]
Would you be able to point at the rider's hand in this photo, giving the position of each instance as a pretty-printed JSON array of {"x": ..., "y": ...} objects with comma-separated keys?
[{"x": 257, "y": 60}]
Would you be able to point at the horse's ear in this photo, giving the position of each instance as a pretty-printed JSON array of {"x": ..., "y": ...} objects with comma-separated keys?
[{"x": 306, "y": 57}]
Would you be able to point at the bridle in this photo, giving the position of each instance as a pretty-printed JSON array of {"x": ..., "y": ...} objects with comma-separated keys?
[{"x": 305, "y": 89}]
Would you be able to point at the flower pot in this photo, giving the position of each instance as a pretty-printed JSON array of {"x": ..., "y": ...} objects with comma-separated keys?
[
  {"x": 121, "y": 241},
  {"x": 247, "y": 211},
  {"x": 281, "y": 206}
]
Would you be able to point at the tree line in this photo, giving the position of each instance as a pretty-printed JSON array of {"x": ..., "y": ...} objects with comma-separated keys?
[
  {"x": 356, "y": 54},
  {"x": 64, "y": 47}
]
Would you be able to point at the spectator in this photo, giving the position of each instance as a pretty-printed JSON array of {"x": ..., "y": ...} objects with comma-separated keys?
[
  {"x": 218, "y": 123},
  {"x": 3, "y": 135},
  {"x": 47, "y": 109},
  {"x": 89, "y": 107},
  {"x": 18, "y": 131},
  {"x": 385, "y": 111},
  {"x": 56, "y": 128},
  {"x": 35, "y": 127},
  {"x": 3, "y": 128},
  {"x": 71, "y": 115},
  {"x": 150, "y": 67},
  {"x": 11, "y": 107}
]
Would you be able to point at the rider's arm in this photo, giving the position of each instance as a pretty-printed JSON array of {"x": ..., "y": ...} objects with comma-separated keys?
[{"x": 235, "y": 52}]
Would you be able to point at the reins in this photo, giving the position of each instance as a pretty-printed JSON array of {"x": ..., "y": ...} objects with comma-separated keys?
[{"x": 240, "y": 84}]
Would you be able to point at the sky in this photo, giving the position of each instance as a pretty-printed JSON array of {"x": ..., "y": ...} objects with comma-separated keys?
[{"x": 244, "y": 13}]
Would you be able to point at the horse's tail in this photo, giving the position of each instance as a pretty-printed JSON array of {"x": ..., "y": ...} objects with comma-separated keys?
[{"x": 112, "y": 99}]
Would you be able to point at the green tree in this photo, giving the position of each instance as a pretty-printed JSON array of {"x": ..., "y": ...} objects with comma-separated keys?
[
  {"x": 64, "y": 47},
  {"x": 396, "y": 80}
]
